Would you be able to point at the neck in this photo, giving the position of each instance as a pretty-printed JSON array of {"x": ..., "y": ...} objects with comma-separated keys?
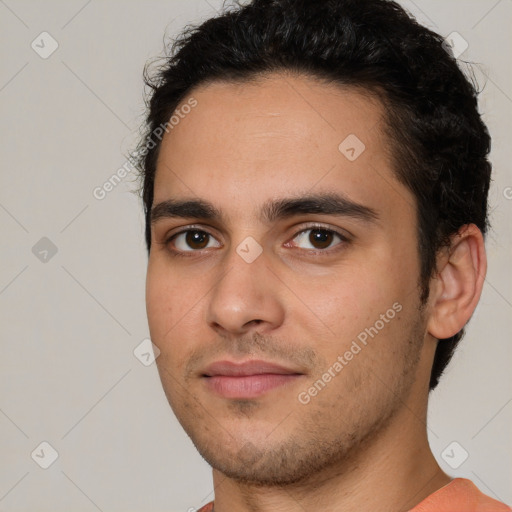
[{"x": 395, "y": 470}]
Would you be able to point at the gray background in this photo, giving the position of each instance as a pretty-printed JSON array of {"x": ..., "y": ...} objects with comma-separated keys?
[{"x": 70, "y": 321}]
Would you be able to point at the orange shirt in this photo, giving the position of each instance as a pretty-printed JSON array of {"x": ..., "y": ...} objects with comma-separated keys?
[{"x": 460, "y": 495}]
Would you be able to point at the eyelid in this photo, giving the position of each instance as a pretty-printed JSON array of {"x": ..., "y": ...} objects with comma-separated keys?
[
  {"x": 344, "y": 237},
  {"x": 342, "y": 233},
  {"x": 185, "y": 229}
]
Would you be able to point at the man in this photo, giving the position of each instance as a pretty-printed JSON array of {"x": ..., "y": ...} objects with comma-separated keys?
[{"x": 315, "y": 182}]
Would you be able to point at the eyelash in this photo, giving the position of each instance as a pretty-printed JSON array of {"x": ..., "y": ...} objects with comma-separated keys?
[{"x": 319, "y": 252}]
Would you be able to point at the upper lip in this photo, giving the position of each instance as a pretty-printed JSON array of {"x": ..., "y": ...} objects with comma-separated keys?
[{"x": 253, "y": 367}]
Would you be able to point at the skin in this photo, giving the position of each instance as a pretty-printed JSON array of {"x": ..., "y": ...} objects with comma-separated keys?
[{"x": 361, "y": 442}]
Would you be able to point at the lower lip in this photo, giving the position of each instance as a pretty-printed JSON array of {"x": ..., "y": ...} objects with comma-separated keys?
[{"x": 248, "y": 386}]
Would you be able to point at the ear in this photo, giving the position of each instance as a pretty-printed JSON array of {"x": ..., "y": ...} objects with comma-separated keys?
[{"x": 457, "y": 287}]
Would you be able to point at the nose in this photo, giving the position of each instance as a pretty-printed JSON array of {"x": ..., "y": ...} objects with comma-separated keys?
[{"x": 247, "y": 297}]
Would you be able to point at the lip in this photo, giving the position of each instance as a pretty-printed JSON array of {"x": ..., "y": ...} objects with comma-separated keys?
[
  {"x": 249, "y": 379},
  {"x": 253, "y": 367}
]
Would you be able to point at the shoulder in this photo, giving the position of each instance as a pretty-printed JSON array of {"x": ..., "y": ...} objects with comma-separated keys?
[
  {"x": 460, "y": 495},
  {"x": 207, "y": 508}
]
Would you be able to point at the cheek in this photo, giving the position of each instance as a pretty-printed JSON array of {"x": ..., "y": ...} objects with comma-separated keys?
[
  {"x": 172, "y": 305},
  {"x": 350, "y": 299},
  {"x": 159, "y": 302},
  {"x": 175, "y": 303},
  {"x": 361, "y": 309}
]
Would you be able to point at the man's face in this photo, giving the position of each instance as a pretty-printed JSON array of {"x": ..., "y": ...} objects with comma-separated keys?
[{"x": 328, "y": 296}]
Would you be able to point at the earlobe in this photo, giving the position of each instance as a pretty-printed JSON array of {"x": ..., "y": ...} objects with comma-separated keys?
[{"x": 459, "y": 282}]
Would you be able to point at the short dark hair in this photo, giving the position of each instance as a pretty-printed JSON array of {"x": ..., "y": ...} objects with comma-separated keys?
[{"x": 439, "y": 143}]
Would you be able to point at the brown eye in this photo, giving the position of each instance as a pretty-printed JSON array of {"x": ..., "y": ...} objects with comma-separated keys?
[
  {"x": 320, "y": 238},
  {"x": 197, "y": 239},
  {"x": 192, "y": 240}
]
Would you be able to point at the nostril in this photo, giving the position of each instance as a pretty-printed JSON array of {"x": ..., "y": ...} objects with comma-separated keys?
[{"x": 256, "y": 322}]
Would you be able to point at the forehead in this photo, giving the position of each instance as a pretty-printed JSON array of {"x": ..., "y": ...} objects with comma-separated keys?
[{"x": 283, "y": 134}]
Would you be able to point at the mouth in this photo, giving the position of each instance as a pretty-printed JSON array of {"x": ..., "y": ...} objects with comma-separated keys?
[{"x": 250, "y": 379}]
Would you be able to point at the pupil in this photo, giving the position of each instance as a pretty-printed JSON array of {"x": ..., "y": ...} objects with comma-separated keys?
[
  {"x": 197, "y": 239},
  {"x": 320, "y": 238}
]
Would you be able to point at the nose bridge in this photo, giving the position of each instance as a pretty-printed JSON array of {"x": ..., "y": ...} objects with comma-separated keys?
[{"x": 245, "y": 294}]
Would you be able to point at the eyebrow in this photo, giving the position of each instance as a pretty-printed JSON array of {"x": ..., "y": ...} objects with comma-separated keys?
[{"x": 272, "y": 210}]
